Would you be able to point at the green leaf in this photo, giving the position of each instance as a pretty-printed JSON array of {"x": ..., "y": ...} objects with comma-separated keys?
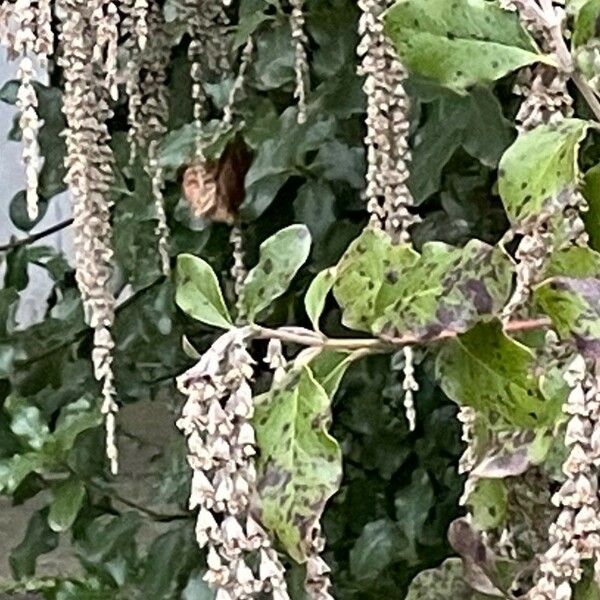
[
  {"x": 371, "y": 264},
  {"x": 587, "y": 588},
  {"x": 300, "y": 466},
  {"x": 489, "y": 503},
  {"x": 314, "y": 300},
  {"x": 448, "y": 289},
  {"x": 314, "y": 206},
  {"x": 17, "y": 211},
  {"x": 67, "y": 499},
  {"x": 329, "y": 367},
  {"x": 197, "y": 588},
  {"x": 586, "y": 23},
  {"x": 170, "y": 554},
  {"x": 591, "y": 192},
  {"x": 380, "y": 544},
  {"x": 575, "y": 261},
  {"x": 459, "y": 43},
  {"x": 493, "y": 373},
  {"x": 574, "y": 307},
  {"x": 474, "y": 121},
  {"x": 540, "y": 169},
  {"x": 447, "y": 581},
  {"x": 27, "y": 422},
  {"x": 13, "y": 471},
  {"x": 108, "y": 545},
  {"x": 281, "y": 151},
  {"x": 413, "y": 505},
  {"x": 198, "y": 292},
  {"x": 74, "y": 419},
  {"x": 38, "y": 539},
  {"x": 281, "y": 256}
]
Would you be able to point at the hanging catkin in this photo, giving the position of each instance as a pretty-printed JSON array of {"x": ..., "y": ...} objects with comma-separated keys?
[
  {"x": 238, "y": 269},
  {"x": 388, "y": 153},
  {"x": 546, "y": 100},
  {"x": 105, "y": 22},
  {"x": 44, "y": 38},
  {"x": 30, "y": 124},
  {"x": 89, "y": 177},
  {"x": 148, "y": 105},
  {"x": 208, "y": 54},
  {"x": 575, "y": 535},
  {"x": 301, "y": 67},
  {"x": 216, "y": 420},
  {"x": 238, "y": 83},
  {"x": 371, "y": 51},
  {"x": 27, "y": 17}
]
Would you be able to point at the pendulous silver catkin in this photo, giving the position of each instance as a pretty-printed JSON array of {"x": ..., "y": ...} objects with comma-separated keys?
[
  {"x": 216, "y": 420},
  {"x": 301, "y": 66},
  {"x": 89, "y": 177}
]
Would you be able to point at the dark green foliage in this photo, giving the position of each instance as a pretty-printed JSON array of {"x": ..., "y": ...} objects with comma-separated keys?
[{"x": 399, "y": 491}]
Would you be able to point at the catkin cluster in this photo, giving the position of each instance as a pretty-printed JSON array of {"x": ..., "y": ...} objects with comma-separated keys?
[
  {"x": 89, "y": 176},
  {"x": 301, "y": 67},
  {"x": 221, "y": 445},
  {"x": 575, "y": 535},
  {"x": 546, "y": 100},
  {"x": 149, "y": 55},
  {"x": 25, "y": 28},
  {"x": 386, "y": 141},
  {"x": 388, "y": 198}
]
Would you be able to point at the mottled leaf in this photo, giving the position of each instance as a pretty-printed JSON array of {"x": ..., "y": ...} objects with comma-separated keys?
[
  {"x": 448, "y": 289},
  {"x": 329, "y": 367},
  {"x": 493, "y": 373},
  {"x": 540, "y": 169},
  {"x": 574, "y": 307},
  {"x": 67, "y": 499},
  {"x": 576, "y": 261},
  {"x": 299, "y": 465},
  {"x": 314, "y": 300},
  {"x": 447, "y": 581},
  {"x": 459, "y": 43},
  {"x": 372, "y": 264},
  {"x": 488, "y": 502},
  {"x": 281, "y": 256},
  {"x": 198, "y": 292}
]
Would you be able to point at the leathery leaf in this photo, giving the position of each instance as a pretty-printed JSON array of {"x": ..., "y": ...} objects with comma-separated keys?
[{"x": 300, "y": 464}]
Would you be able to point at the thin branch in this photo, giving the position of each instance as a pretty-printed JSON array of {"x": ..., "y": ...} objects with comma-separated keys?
[
  {"x": 36, "y": 236},
  {"x": 155, "y": 515},
  {"x": 79, "y": 335},
  {"x": 588, "y": 93},
  {"x": 383, "y": 344}
]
